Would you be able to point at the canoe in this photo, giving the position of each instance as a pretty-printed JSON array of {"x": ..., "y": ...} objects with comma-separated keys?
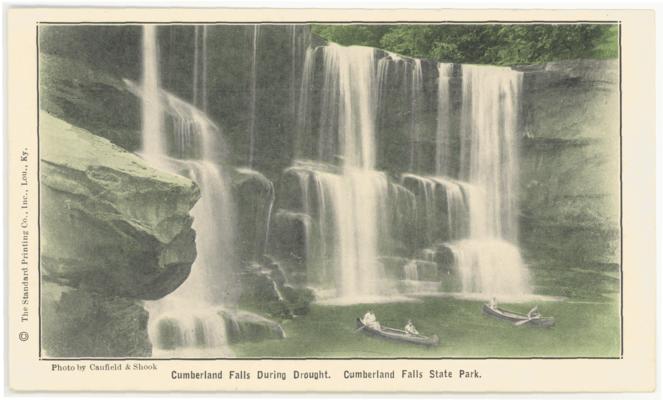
[
  {"x": 544, "y": 322},
  {"x": 397, "y": 335}
]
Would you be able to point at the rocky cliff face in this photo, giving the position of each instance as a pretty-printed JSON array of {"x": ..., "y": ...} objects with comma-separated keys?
[
  {"x": 114, "y": 232},
  {"x": 570, "y": 161},
  {"x": 89, "y": 98}
]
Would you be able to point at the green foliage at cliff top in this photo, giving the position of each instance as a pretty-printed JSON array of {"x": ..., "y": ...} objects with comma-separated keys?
[{"x": 482, "y": 44}]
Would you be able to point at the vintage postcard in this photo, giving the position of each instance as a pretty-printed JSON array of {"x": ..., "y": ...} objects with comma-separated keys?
[{"x": 393, "y": 201}]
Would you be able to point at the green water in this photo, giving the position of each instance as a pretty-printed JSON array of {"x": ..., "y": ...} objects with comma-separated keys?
[
  {"x": 583, "y": 329},
  {"x": 587, "y": 324}
]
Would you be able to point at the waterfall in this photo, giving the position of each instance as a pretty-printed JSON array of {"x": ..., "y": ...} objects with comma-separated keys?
[
  {"x": 303, "y": 126},
  {"x": 489, "y": 260},
  {"x": 352, "y": 197},
  {"x": 293, "y": 70},
  {"x": 200, "y": 67},
  {"x": 490, "y": 267},
  {"x": 187, "y": 321},
  {"x": 153, "y": 144},
  {"x": 343, "y": 245},
  {"x": 254, "y": 79},
  {"x": 488, "y": 153},
  {"x": 442, "y": 211},
  {"x": 416, "y": 103},
  {"x": 475, "y": 218},
  {"x": 442, "y": 140},
  {"x": 351, "y": 84}
]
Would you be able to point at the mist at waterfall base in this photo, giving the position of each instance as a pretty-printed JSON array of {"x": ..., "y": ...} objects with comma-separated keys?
[{"x": 464, "y": 240}]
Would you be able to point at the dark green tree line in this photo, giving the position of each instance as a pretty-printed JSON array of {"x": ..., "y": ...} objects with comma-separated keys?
[{"x": 499, "y": 44}]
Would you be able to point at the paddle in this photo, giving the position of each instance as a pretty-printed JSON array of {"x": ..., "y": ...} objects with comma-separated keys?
[
  {"x": 523, "y": 322},
  {"x": 529, "y": 317}
]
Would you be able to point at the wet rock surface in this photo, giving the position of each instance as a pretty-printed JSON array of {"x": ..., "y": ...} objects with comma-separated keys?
[
  {"x": 254, "y": 196},
  {"x": 265, "y": 289}
]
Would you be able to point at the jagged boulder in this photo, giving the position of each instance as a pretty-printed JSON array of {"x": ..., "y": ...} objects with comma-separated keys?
[
  {"x": 110, "y": 223},
  {"x": 265, "y": 288}
]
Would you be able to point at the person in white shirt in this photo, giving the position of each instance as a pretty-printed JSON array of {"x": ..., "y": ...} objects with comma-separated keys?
[
  {"x": 493, "y": 303},
  {"x": 409, "y": 328},
  {"x": 370, "y": 320}
]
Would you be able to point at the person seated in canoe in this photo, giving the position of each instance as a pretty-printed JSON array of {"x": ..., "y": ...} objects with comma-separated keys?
[
  {"x": 493, "y": 303},
  {"x": 410, "y": 329},
  {"x": 370, "y": 320}
]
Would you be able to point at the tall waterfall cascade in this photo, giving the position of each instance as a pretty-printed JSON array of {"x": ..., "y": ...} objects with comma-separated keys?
[
  {"x": 349, "y": 194},
  {"x": 467, "y": 211},
  {"x": 485, "y": 253},
  {"x": 490, "y": 261},
  {"x": 187, "y": 142}
]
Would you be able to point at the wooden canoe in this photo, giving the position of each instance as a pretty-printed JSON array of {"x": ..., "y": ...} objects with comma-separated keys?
[
  {"x": 544, "y": 322},
  {"x": 397, "y": 335}
]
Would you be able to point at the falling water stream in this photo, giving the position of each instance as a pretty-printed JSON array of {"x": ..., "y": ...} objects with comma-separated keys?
[
  {"x": 252, "y": 105},
  {"x": 488, "y": 259},
  {"x": 351, "y": 197},
  {"x": 442, "y": 139},
  {"x": 187, "y": 321},
  {"x": 473, "y": 215}
]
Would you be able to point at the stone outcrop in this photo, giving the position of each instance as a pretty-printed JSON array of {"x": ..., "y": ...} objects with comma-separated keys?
[
  {"x": 288, "y": 243},
  {"x": 113, "y": 232},
  {"x": 266, "y": 289},
  {"x": 111, "y": 223},
  {"x": 254, "y": 196}
]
